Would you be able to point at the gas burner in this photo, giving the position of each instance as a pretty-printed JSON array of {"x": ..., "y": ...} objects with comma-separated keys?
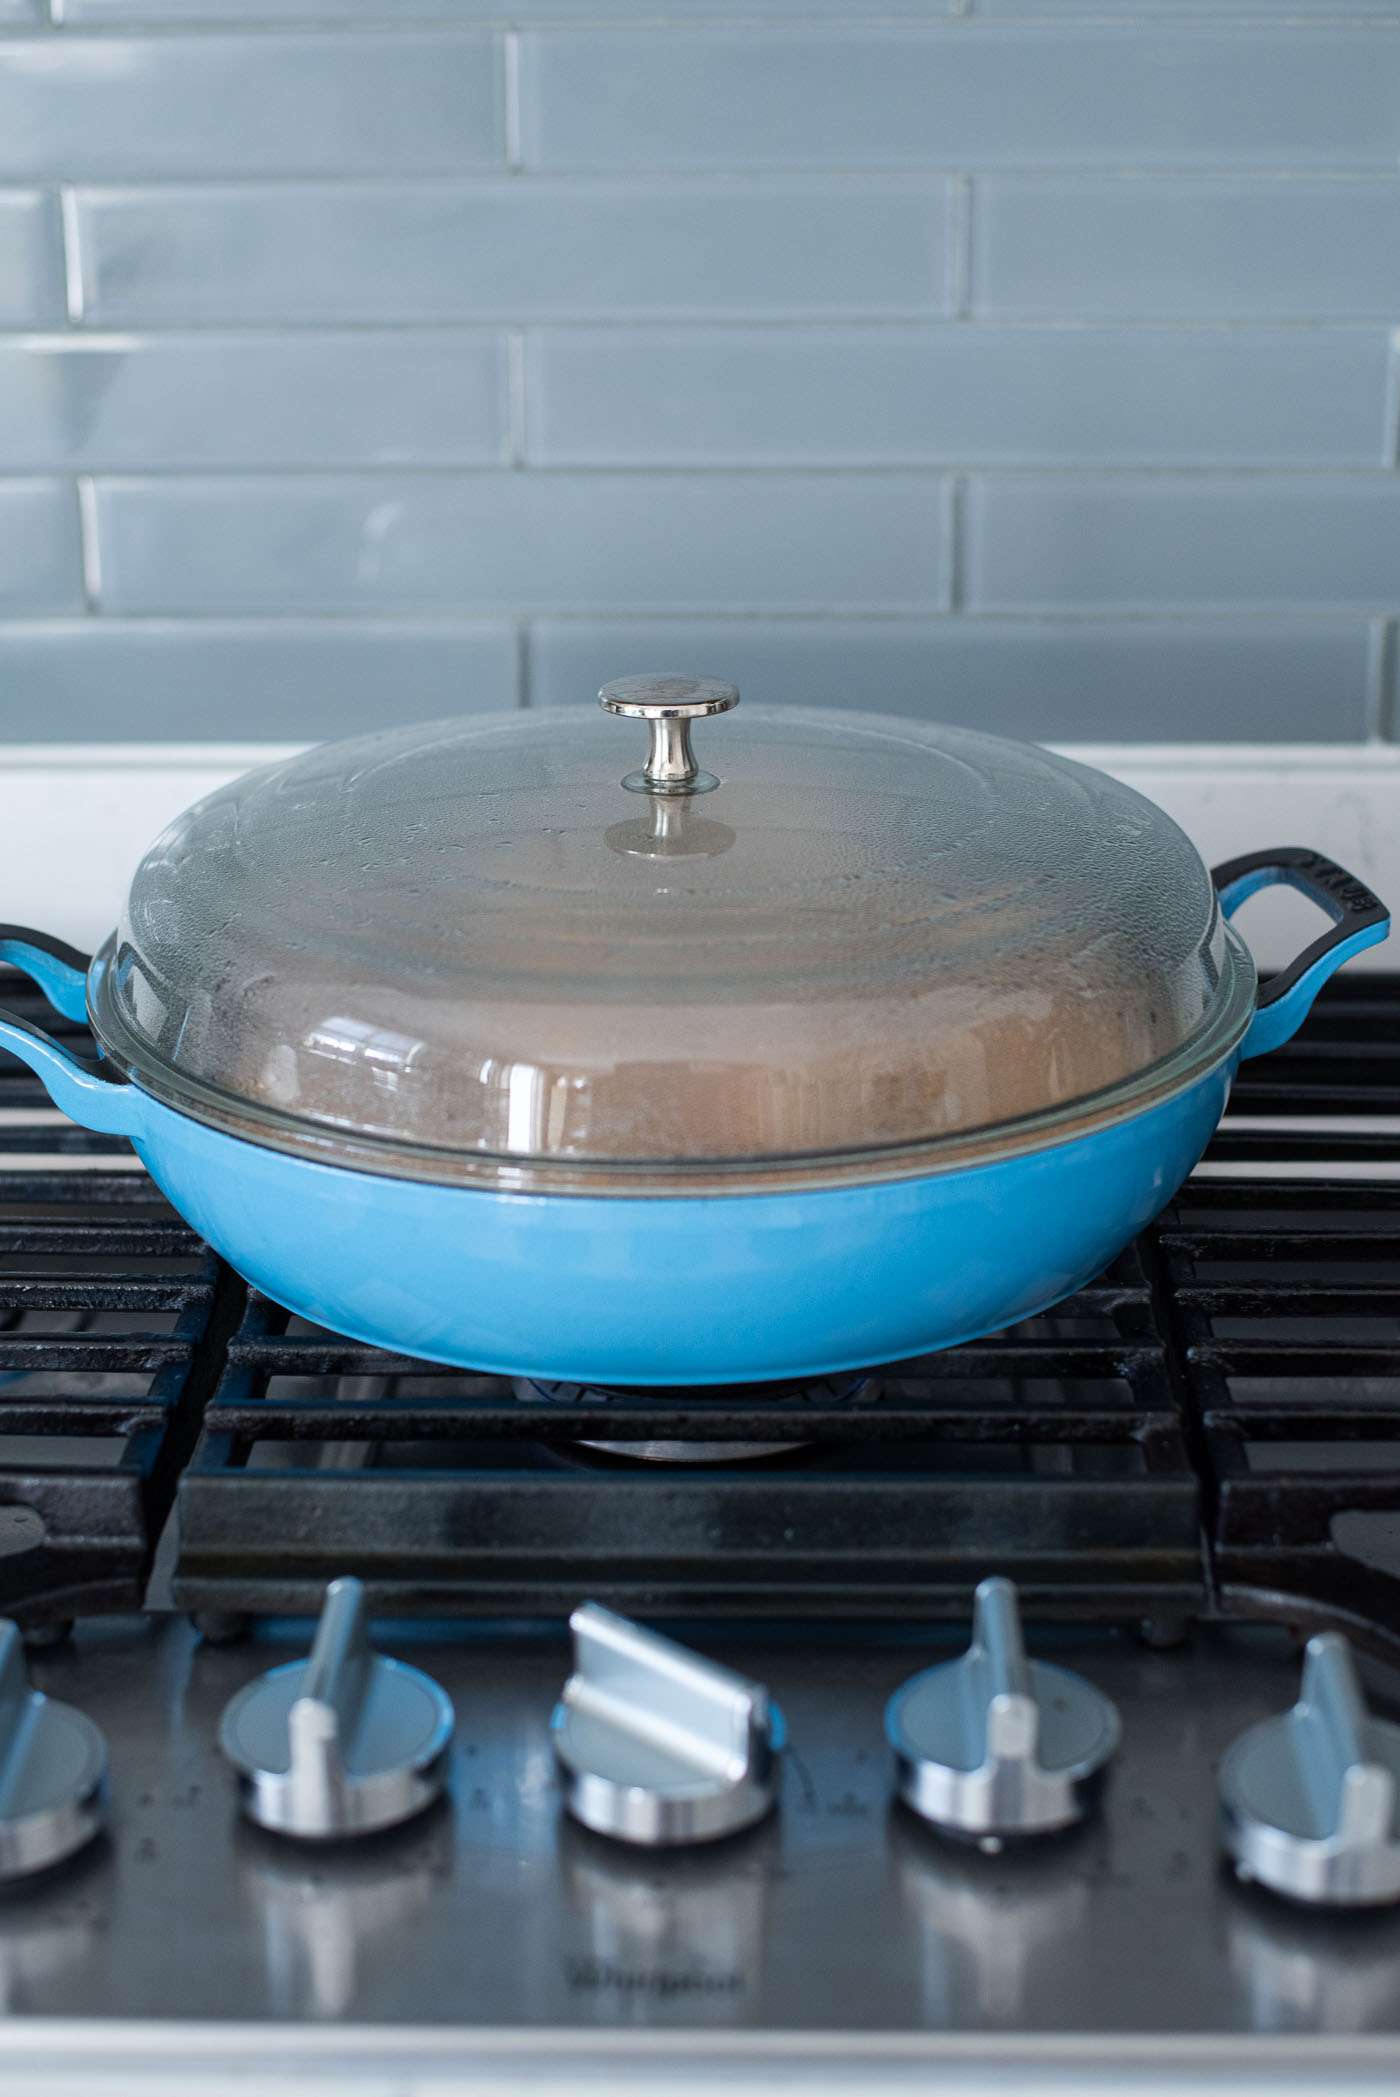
[{"x": 846, "y": 1389}]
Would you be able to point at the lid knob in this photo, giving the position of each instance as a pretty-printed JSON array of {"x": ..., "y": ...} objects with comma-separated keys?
[{"x": 669, "y": 702}]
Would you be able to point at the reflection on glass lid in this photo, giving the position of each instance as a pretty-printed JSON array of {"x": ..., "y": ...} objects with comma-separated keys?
[{"x": 469, "y": 935}]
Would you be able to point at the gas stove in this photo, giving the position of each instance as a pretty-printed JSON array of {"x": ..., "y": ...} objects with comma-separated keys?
[{"x": 1185, "y": 1470}]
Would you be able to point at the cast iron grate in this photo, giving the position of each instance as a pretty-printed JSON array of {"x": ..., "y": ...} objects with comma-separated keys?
[
  {"x": 1053, "y": 1452},
  {"x": 112, "y": 1319},
  {"x": 1282, "y": 1304},
  {"x": 1285, "y": 1299},
  {"x": 1281, "y": 1301}
]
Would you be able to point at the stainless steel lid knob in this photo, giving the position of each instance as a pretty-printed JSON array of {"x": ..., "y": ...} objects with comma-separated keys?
[
  {"x": 343, "y": 1743},
  {"x": 1308, "y": 1799},
  {"x": 52, "y": 1763},
  {"x": 996, "y": 1745},
  {"x": 669, "y": 703},
  {"x": 656, "y": 1745}
]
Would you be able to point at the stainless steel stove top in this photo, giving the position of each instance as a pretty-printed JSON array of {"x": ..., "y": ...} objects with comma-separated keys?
[{"x": 841, "y": 1911}]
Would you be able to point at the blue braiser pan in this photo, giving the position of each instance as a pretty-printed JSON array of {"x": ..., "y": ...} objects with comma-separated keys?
[{"x": 759, "y": 1285}]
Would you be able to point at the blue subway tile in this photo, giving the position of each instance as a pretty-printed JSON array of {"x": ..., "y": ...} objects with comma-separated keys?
[
  {"x": 1071, "y": 246},
  {"x": 1267, "y": 540},
  {"x": 963, "y": 94},
  {"x": 31, "y": 258},
  {"x": 1051, "y": 680},
  {"x": 950, "y": 395},
  {"x": 494, "y": 542},
  {"x": 103, "y": 108},
  {"x": 369, "y": 398},
  {"x": 512, "y": 250},
  {"x": 244, "y": 680},
  {"x": 41, "y": 561}
]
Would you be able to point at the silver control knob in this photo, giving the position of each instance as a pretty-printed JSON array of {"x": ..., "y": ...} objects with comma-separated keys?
[
  {"x": 1308, "y": 1799},
  {"x": 343, "y": 1743},
  {"x": 995, "y": 1745},
  {"x": 656, "y": 1745},
  {"x": 52, "y": 1763}
]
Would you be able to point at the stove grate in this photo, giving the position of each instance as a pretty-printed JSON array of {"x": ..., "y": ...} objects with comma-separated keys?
[
  {"x": 1053, "y": 1453},
  {"x": 113, "y": 1316}
]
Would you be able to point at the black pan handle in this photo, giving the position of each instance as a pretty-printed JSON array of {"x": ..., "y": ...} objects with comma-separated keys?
[{"x": 1359, "y": 919}]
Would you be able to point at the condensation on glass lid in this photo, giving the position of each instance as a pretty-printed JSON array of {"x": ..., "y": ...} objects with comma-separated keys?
[{"x": 468, "y": 935}]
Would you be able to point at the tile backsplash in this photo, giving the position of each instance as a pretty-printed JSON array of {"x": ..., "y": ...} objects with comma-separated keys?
[{"x": 1025, "y": 364}]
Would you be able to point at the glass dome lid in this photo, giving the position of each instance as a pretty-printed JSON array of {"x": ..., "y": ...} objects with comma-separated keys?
[{"x": 487, "y": 950}]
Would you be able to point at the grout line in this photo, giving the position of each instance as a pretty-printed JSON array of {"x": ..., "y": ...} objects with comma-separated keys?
[
  {"x": 91, "y": 547},
  {"x": 733, "y": 320},
  {"x": 1199, "y": 620},
  {"x": 1204, "y": 480},
  {"x": 515, "y": 388},
  {"x": 740, "y": 318},
  {"x": 960, "y": 249},
  {"x": 510, "y": 53},
  {"x": 72, "y": 249},
  {"x": 1380, "y": 681},
  {"x": 955, "y": 515},
  {"x": 761, "y": 176},
  {"x": 1390, "y": 434}
]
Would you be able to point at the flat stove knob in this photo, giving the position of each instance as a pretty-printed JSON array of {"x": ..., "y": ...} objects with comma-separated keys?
[
  {"x": 344, "y": 1743},
  {"x": 1308, "y": 1799},
  {"x": 52, "y": 1763},
  {"x": 656, "y": 1745},
  {"x": 995, "y": 1745}
]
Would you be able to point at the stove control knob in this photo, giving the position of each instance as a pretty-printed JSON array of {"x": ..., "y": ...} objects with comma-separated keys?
[
  {"x": 343, "y": 1743},
  {"x": 1308, "y": 1799},
  {"x": 52, "y": 1763},
  {"x": 995, "y": 1745},
  {"x": 656, "y": 1745}
]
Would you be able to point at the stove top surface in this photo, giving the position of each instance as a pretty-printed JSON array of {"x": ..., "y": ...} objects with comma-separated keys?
[{"x": 841, "y": 1910}]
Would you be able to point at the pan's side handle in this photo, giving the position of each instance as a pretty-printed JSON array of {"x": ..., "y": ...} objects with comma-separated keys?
[
  {"x": 59, "y": 970},
  {"x": 1359, "y": 920},
  {"x": 83, "y": 1090},
  {"x": 79, "y": 1089}
]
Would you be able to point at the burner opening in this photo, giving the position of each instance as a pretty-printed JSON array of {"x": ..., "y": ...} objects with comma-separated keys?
[{"x": 845, "y": 1389}]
